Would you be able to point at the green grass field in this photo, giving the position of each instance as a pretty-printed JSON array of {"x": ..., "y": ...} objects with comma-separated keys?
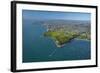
[{"x": 61, "y": 37}]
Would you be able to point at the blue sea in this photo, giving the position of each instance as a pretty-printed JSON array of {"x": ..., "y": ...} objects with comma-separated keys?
[{"x": 37, "y": 48}]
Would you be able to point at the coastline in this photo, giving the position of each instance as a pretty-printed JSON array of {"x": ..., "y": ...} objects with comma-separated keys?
[
  {"x": 82, "y": 39},
  {"x": 59, "y": 46},
  {"x": 56, "y": 42}
]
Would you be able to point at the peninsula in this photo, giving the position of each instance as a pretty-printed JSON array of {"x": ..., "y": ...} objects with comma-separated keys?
[{"x": 64, "y": 33}]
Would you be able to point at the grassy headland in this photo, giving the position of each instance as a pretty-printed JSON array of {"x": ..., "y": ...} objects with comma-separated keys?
[
  {"x": 61, "y": 37},
  {"x": 64, "y": 31}
]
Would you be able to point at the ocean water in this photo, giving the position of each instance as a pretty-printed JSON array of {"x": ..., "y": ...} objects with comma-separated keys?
[{"x": 37, "y": 48}]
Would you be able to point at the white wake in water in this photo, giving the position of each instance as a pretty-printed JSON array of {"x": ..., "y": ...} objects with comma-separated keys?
[{"x": 53, "y": 52}]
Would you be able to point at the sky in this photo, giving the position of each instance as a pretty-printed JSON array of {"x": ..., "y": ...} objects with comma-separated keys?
[{"x": 50, "y": 15}]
